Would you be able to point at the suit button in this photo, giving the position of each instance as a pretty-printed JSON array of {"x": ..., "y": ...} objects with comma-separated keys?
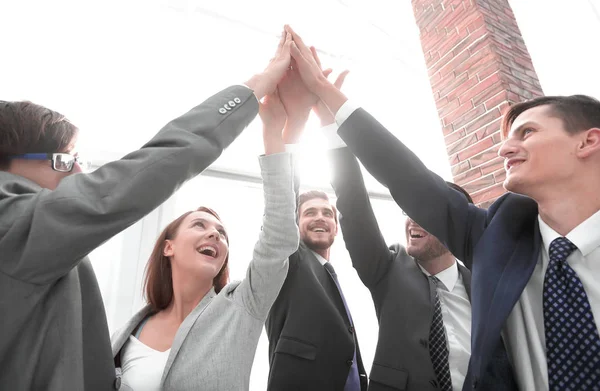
[
  {"x": 227, "y": 107},
  {"x": 222, "y": 110},
  {"x": 424, "y": 342},
  {"x": 433, "y": 383},
  {"x": 349, "y": 362},
  {"x": 231, "y": 103},
  {"x": 351, "y": 329},
  {"x": 118, "y": 383},
  {"x": 237, "y": 100}
]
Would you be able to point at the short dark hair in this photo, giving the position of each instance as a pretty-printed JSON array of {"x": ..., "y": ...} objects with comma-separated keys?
[
  {"x": 461, "y": 190},
  {"x": 311, "y": 195},
  {"x": 29, "y": 128},
  {"x": 578, "y": 112}
]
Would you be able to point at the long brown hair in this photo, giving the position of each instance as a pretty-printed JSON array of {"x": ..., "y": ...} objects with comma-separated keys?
[{"x": 158, "y": 282}]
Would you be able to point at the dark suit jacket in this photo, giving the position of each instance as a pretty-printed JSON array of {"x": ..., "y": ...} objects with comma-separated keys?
[
  {"x": 311, "y": 342},
  {"x": 500, "y": 245},
  {"x": 402, "y": 294}
]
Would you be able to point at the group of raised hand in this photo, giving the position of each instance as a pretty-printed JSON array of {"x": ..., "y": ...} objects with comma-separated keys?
[{"x": 293, "y": 84}]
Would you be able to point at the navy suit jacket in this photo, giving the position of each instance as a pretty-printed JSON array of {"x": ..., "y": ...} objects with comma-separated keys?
[{"x": 500, "y": 245}]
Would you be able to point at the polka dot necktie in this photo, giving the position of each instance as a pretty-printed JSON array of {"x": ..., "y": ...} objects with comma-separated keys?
[{"x": 572, "y": 341}]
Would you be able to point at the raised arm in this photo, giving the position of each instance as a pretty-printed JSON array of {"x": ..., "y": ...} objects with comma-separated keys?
[
  {"x": 368, "y": 251},
  {"x": 279, "y": 235},
  {"x": 423, "y": 195},
  {"x": 43, "y": 233},
  {"x": 367, "y": 248}
]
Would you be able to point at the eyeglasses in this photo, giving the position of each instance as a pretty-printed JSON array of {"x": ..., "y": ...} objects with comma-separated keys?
[{"x": 62, "y": 162}]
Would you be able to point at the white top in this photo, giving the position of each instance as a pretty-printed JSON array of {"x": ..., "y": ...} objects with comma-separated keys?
[
  {"x": 524, "y": 332},
  {"x": 142, "y": 366},
  {"x": 456, "y": 313}
]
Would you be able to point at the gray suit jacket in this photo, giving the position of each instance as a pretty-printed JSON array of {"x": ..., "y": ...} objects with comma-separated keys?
[
  {"x": 214, "y": 347},
  {"x": 404, "y": 297},
  {"x": 54, "y": 334}
]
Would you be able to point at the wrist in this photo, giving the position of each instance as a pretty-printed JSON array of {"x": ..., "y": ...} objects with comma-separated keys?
[
  {"x": 327, "y": 122},
  {"x": 292, "y": 133},
  {"x": 322, "y": 85},
  {"x": 256, "y": 84},
  {"x": 274, "y": 145},
  {"x": 332, "y": 98}
]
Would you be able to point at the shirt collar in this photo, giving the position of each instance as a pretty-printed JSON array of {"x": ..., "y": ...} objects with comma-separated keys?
[
  {"x": 448, "y": 276},
  {"x": 586, "y": 236},
  {"x": 321, "y": 260}
]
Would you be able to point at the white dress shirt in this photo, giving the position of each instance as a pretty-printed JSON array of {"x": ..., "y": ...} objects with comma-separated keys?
[
  {"x": 524, "y": 332},
  {"x": 321, "y": 260},
  {"x": 330, "y": 131},
  {"x": 456, "y": 313}
]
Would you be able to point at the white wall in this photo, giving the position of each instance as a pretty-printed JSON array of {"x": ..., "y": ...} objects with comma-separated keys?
[{"x": 563, "y": 39}]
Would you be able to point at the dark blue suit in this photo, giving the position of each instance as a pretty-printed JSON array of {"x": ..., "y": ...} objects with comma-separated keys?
[{"x": 500, "y": 245}]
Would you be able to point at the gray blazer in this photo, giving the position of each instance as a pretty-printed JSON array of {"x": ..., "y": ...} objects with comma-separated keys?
[
  {"x": 53, "y": 329},
  {"x": 215, "y": 345}
]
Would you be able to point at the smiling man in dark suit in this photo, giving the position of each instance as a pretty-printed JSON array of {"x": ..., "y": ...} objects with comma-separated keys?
[
  {"x": 312, "y": 341},
  {"x": 422, "y": 295}
]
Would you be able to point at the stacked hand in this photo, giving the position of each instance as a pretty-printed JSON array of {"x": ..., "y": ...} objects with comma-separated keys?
[{"x": 294, "y": 83}]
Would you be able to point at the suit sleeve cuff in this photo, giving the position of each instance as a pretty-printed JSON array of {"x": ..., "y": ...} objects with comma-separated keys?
[
  {"x": 243, "y": 85},
  {"x": 345, "y": 111},
  {"x": 334, "y": 141},
  {"x": 292, "y": 148}
]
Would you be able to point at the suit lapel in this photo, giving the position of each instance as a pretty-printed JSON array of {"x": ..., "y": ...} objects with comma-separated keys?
[
  {"x": 507, "y": 292},
  {"x": 123, "y": 334},
  {"x": 184, "y": 330},
  {"x": 466, "y": 277},
  {"x": 326, "y": 281},
  {"x": 517, "y": 272}
]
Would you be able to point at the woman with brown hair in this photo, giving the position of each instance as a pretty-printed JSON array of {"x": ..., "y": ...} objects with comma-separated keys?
[{"x": 197, "y": 331}]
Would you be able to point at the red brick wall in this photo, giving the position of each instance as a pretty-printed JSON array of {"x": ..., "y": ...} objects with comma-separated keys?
[{"x": 478, "y": 64}]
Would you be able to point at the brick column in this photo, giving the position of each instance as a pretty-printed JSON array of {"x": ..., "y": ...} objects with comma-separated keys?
[{"x": 478, "y": 64}]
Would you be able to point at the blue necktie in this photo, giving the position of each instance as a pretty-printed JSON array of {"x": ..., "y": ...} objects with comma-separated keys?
[
  {"x": 353, "y": 380},
  {"x": 438, "y": 349},
  {"x": 572, "y": 341}
]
